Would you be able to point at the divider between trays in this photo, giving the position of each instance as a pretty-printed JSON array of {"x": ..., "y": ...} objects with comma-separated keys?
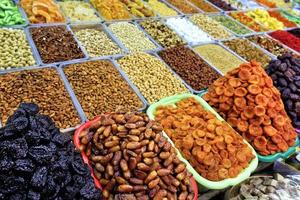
[
  {"x": 51, "y": 25},
  {"x": 202, "y": 181},
  {"x": 73, "y": 94},
  {"x": 49, "y": 66},
  {"x": 273, "y": 157}
]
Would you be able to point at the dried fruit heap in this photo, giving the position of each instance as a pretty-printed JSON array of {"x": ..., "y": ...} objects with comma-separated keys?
[
  {"x": 133, "y": 160},
  {"x": 211, "y": 146},
  {"x": 39, "y": 162},
  {"x": 246, "y": 98}
]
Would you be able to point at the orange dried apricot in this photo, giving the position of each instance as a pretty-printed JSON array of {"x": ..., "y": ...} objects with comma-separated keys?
[
  {"x": 240, "y": 102},
  {"x": 249, "y": 112},
  {"x": 268, "y": 92},
  {"x": 279, "y": 120},
  {"x": 259, "y": 111},
  {"x": 255, "y": 130},
  {"x": 240, "y": 92},
  {"x": 261, "y": 99},
  {"x": 254, "y": 89},
  {"x": 283, "y": 146},
  {"x": 244, "y": 74},
  {"x": 268, "y": 81},
  {"x": 234, "y": 82},
  {"x": 276, "y": 138},
  {"x": 219, "y": 90},
  {"x": 242, "y": 126},
  {"x": 260, "y": 143},
  {"x": 223, "y": 173},
  {"x": 270, "y": 130},
  {"x": 254, "y": 79}
]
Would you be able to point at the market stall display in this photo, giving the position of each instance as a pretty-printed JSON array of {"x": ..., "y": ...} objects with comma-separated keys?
[
  {"x": 111, "y": 9},
  {"x": 287, "y": 38},
  {"x": 10, "y": 14},
  {"x": 39, "y": 162},
  {"x": 285, "y": 73},
  {"x": 148, "y": 165},
  {"x": 40, "y": 86},
  {"x": 246, "y": 98},
  {"x": 190, "y": 67},
  {"x": 205, "y": 6},
  {"x": 184, "y": 6},
  {"x": 222, "y": 5},
  {"x": 42, "y": 11},
  {"x": 110, "y": 92},
  {"x": 161, "y": 8},
  {"x": 247, "y": 21},
  {"x": 219, "y": 57}
]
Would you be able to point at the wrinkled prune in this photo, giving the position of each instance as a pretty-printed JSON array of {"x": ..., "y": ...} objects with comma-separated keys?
[
  {"x": 41, "y": 154},
  {"x": 30, "y": 108},
  {"x": 37, "y": 161},
  {"x": 24, "y": 166},
  {"x": 32, "y": 195},
  {"x": 39, "y": 178}
]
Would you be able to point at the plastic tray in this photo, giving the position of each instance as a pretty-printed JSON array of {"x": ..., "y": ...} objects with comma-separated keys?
[
  {"x": 273, "y": 157},
  {"x": 87, "y": 125},
  {"x": 202, "y": 181}
]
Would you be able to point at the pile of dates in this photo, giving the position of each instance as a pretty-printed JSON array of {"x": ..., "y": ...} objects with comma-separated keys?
[
  {"x": 132, "y": 159},
  {"x": 285, "y": 73},
  {"x": 39, "y": 162}
]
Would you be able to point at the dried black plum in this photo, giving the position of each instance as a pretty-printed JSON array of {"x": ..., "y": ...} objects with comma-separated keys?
[
  {"x": 32, "y": 195},
  {"x": 37, "y": 161},
  {"x": 24, "y": 166},
  {"x": 30, "y": 108},
  {"x": 41, "y": 154},
  {"x": 39, "y": 178}
]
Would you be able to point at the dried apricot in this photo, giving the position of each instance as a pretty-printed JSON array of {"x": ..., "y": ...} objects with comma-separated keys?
[
  {"x": 270, "y": 130},
  {"x": 255, "y": 130},
  {"x": 228, "y": 139},
  {"x": 206, "y": 148},
  {"x": 229, "y": 91},
  {"x": 254, "y": 79},
  {"x": 276, "y": 138},
  {"x": 260, "y": 143},
  {"x": 224, "y": 107},
  {"x": 242, "y": 126},
  {"x": 283, "y": 146},
  {"x": 201, "y": 141},
  {"x": 279, "y": 120},
  {"x": 219, "y": 90},
  {"x": 268, "y": 81},
  {"x": 240, "y": 102},
  {"x": 254, "y": 89},
  {"x": 240, "y": 92},
  {"x": 223, "y": 173},
  {"x": 261, "y": 99},
  {"x": 259, "y": 111},
  {"x": 234, "y": 82},
  {"x": 244, "y": 74},
  {"x": 271, "y": 146},
  {"x": 249, "y": 112},
  {"x": 268, "y": 92}
]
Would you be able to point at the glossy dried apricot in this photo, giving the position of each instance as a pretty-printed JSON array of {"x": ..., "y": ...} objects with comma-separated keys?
[
  {"x": 219, "y": 90},
  {"x": 234, "y": 82},
  {"x": 254, "y": 79},
  {"x": 271, "y": 146},
  {"x": 260, "y": 143},
  {"x": 268, "y": 92},
  {"x": 279, "y": 120},
  {"x": 254, "y": 89},
  {"x": 267, "y": 121},
  {"x": 249, "y": 112},
  {"x": 255, "y": 130},
  {"x": 244, "y": 74},
  {"x": 276, "y": 138},
  {"x": 240, "y": 102},
  {"x": 242, "y": 126},
  {"x": 259, "y": 111},
  {"x": 224, "y": 107},
  {"x": 270, "y": 130},
  {"x": 240, "y": 92},
  {"x": 283, "y": 146},
  {"x": 261, "y": 99}
]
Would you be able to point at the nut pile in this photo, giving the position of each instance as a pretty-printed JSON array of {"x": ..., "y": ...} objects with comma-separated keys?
[
  {"x": 269, "y": 44},
  {"x": 161, "y": 8},
  {"x": 96, "y": 42},
  {"x": 190, "y": 67},
  {"x": 55, "y": 44},
  {"x": 111, "y": 9},
  {"x": 100, "y": 88},
  {"x": 15, "y": 50},
  {"x": 153, "y": 79},
  {"x": 262, "y": 16},
  {"x": 45, "y": 11},
  {"x": 133, "y": 160},
  {"x": 9, "y": 14},
  {"x": 187, "y": 30},
  {"x": 285, "y": 73},
  {"x": 232, "y": 25},
  {"x": 248, "y": 51},
  {"x": 131, "y": 36},
  {"x": 218, "y": 57},
  {"x": 211, "y": 26},
  {"x": 246, "y": 98},
  {"x": 79, "y": 11},
  {"x": 39, "y": 162},
  {"x": 165, "y": 36},
  {"x": 203, "y": 5},
  {"x": 138, "y": 8},
  {"x": 247, "y": 21},
  {"x": 40, "y": 86},
  {"x": 183, "y": 5},
  {"x": 222, "y": 4},
  {"x": 267, "y": 187},
  {"x": 211, "y": 146}
]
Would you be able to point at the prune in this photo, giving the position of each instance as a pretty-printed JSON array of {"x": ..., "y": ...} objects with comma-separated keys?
[
  {"x": 30, "y": 108},
  {"x": 293, "y": 87},
  {"x": 282, "y": 82},
  {"x": 39, "y": 178},
  {"x": 286, "y": 93},
  {"x": 32, "y": 195},
  {"x": 41, "y": 154},
  {"x": 37, "y": 161},
  {"x": 24, "y": 166},
  {"x": 297, "y": 107},
  {"x": 20, "y": 123},
  {"x": 6, "y": 164}
]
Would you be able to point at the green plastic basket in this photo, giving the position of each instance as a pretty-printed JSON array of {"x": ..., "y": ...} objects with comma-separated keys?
[
  {"x": 203, "y": 181},
  {"x": 273, "y": 157}
]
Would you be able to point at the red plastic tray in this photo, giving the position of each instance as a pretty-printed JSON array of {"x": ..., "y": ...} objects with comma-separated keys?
[{"x": 86, "y": 160}]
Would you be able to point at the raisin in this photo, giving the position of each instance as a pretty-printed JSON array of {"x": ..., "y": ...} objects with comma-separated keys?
[
  {"x": 30, "y": 108},
  {"x": 39, "y": 178},
  {"x": 24, "y": 166},
  {"x": 32, "y": 195},
  {"x": 20, "y": 123},
  {"x": 41, "y": 154},
  {"x": 6, "y": 164}
]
